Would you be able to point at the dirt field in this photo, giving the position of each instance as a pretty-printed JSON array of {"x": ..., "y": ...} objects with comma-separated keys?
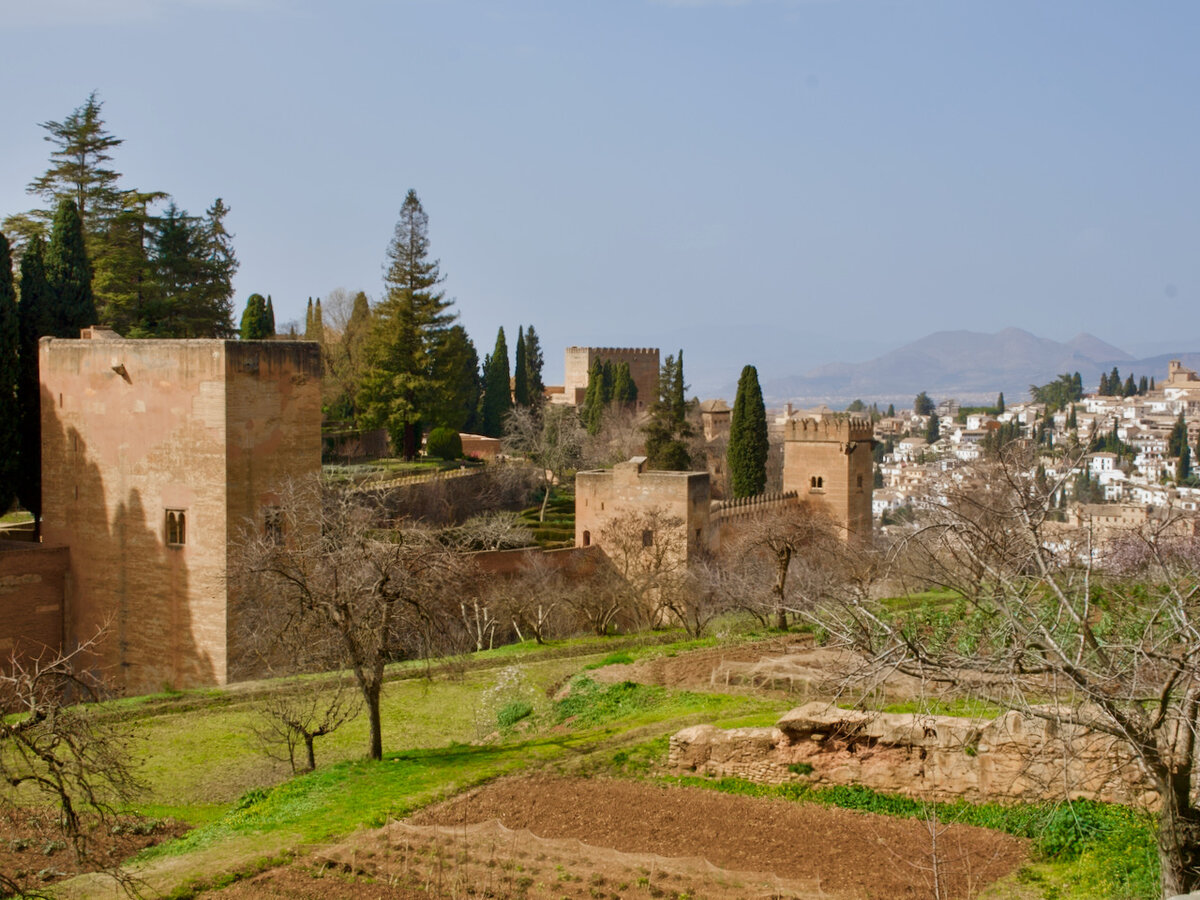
[{"x": 523, "y": 838}]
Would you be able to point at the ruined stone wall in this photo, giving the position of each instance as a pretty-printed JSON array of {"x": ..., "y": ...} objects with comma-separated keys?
[
  {"x": 829, "y": 462},
  {"x": 32, "y": 588},
  {"x": 629, "y": 487},
  {"x": 643, "y": 367},
  {"x": 1010, "y": 758}
]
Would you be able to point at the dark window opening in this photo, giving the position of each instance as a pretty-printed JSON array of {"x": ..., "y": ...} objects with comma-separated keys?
[
  {"x": 176, "y": 528},
  {"x": 860, "y": 482},
  {"x": 587, "y": 539},
  {"x": 273, "y": 523}
]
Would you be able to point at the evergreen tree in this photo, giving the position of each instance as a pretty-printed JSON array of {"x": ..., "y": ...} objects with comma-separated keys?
[
  {"x": 1114, "y": 382},
  {"x": 1152, "y": 382},
  {"x": 497, "y": 393},
  {"x": 923, "y": 405},
  {"x": 254, "y": 319},
  {"x": 520, "y": 371},
  {"x": 1076, "y": 386},
  {"x": 624, "y": 387},
  {"x": 592, "y": 412},
  {"x": 308, "y": 321},
  {"x": 1072, "y": 421},
  {"x": 69, "y": 274},
  {"x": 410, "y": 324},
  {"x": 533, "y": 369},
  {"x": 607, "y": 379},
  {"x": 456, "y": 369},
  {"x": 220, "y": 264},
  {"x": 269, "y": 318},
  {"x": 934, "y": 432},
  {"x": 891, "y": 410},
  {"x": 1129, "y": 388},
  {"x": 36, "y": 319},
  {"x": 1177, "y": 439},
  {"x": 748, "y": 446},
  {"x": 1103, "y": 389},
  {"x": 1143, "y": 386},
  {"x": 123, "y": 276},
  {"x": 1000, "y": 403},
  {"x": 667, "y": 428},
  {"x": 318, "y": 323},
  {"x": 1184, "y": 470},
  {"x": 10, "y": 376}
]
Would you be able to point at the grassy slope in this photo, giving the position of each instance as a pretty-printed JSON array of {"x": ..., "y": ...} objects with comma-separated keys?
[{"x": 202, "y": 765}]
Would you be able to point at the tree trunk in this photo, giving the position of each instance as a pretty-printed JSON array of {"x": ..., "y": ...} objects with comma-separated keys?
[
  {"x": 312, "y": 757},
  {"x": 371, "y": 696},
  {"x": 411, "y": 439},
  {"x": 1179, "y": 837},
  {"x": 783, "y": 562}
]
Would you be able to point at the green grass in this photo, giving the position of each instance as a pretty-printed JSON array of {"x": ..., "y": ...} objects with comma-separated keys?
[
  {"x": 963, "y": 707},
  {"x": 17, "y": 517},
  {"x": 915, "y": 601}
]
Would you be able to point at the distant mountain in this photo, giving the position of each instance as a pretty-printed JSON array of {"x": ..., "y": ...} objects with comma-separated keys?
[{"x": 969, "y": 366}]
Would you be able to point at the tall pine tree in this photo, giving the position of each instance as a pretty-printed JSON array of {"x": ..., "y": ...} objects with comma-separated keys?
[
  {"x": 667, "y": 428},
  {"x": 69, "y": 274},
  {"x": 400, "y": 386},
  {"x": 497, "y": 393},
  {"x": 10, "y": 376},
  {"x": 748, "y": 446},
  {"x": 456, "y": 369}
]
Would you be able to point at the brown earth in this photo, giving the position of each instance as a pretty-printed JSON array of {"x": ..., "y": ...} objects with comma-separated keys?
[
  {"x": 34, "y": 853},
  {"x": 546, "y": 837}
]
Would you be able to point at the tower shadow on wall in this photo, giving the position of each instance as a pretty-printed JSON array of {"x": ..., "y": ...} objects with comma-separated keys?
[{"x": 125, "y": 581}]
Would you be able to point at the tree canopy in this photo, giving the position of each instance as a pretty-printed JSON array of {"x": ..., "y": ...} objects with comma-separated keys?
[{"x": 748, "y": 445}]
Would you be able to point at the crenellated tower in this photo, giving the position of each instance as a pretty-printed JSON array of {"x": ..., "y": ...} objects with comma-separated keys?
[{"x": 828, "y": 460}]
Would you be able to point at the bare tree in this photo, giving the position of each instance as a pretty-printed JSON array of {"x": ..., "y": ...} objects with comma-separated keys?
[
  {"x": 798, "y": 542},
  {"x": 336, "y": 571},
  {"x": 647, "y": 550},
  {"x": 551, "y": 438},
  {"x": 291, "y": 719},
  {"x": 54, "y": 743},
  {"x": 1118, "y": 652},
  {"x": 532, "y": 599}
]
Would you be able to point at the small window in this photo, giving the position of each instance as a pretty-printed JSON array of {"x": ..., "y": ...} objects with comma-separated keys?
[
  {"x": 176, "y": 527},
  {"x": 587, "y": 539},
  {"x": 273, "y": 523},
  {"x": 860, "y": 482},
  {"x": 647, "y": 538},
  {"x": 697, "y": 535}
]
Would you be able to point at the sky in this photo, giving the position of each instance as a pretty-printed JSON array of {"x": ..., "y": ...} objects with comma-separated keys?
[{"x": 778, "y": 182}]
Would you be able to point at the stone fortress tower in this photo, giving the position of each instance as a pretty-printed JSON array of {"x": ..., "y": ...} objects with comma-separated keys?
[
  {"x": 643, "y": 366},
  {"x": 828, "y": 460},
  {"x": 156, "y": 454}
]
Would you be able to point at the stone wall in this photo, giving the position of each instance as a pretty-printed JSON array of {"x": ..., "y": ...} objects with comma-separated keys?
[
  {"x": 1011, "y": 758},
  {"x": 32, "y": 588}
]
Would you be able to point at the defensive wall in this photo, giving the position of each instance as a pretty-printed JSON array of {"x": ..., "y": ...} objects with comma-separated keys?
[
  {"x": 156, "y": 455},
  {"x": 32, "y": 591},
  {"x": 726, "y": 516},
  {"x": 643, "y": 367},
  {"x": 630, "y": 488},
  {"x": 1009, "y": 758}
]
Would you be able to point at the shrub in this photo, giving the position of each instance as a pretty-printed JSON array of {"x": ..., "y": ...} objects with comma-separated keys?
[
  {"x": 512, "y": 713},
  {"x": 444, "y": 443}
]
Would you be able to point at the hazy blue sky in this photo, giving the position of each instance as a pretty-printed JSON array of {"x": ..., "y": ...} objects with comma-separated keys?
[{"x": 781, "y": 182}]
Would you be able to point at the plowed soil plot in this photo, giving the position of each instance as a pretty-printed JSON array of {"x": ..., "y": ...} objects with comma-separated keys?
[{"x": 537, "y": 838}]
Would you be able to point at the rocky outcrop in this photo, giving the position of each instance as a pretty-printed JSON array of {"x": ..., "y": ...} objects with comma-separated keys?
[{"x": 1012, "y": 757}]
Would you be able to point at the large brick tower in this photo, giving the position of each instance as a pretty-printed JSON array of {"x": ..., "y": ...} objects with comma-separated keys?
[{"x": 828, "y": 460}]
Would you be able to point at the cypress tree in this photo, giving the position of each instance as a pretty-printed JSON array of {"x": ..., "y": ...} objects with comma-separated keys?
[
  {"x": 1072, "y": 421},
  {"x": 269, "y": 319},
  {"x": 308, "y": 321},
  {"x": 607, "y": 379},
  {"x": 1114, "y": 382},
  {"x": 1177, "y": 439},
  {"x": 1102, "y": 390},
  {"x": 934, "y": 432},
  {"x": 1184, "y": 470},
  {"x": 497, "y": 393},
  {"x": 10, "y": 376},
  {"x": 592, "y": 414},
  {"x": 254, "y": 319},
  {"x": 667, "y": 427},
  {"x": 891, "y": 410},
  {"x": 520, "y": 371},
  {"x": 1143, "y": 386},
  {"x": 1077, "y": 386},
  {"x": 35, "y": 319},
  {"x": 318, "y": 326},
  {"x": 1129, "y": 388},
  {"x": 624, "y": 387},
  {"x": 69, "y": 274},
  {"x": 533, "y": 367},
  {"x": 748, "y": 446},
  {"x": 1000, "y": 403},
  {"x": 678, "y": 389},
  {"x": 1152, "y": 382}
]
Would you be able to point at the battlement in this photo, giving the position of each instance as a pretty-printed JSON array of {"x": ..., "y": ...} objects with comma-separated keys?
[
  {"x": 615, "y": 351},
  {"x": 723, "y": 510},
  {"x": 841, "y": 430}
]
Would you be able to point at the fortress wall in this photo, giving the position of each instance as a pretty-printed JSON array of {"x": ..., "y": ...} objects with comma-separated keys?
[
  {"x": 643, "y": 367},
  {"x": 32, "y": 588}
]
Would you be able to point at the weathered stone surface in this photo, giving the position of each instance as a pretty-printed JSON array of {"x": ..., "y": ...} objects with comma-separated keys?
[{"x": 1012, "y": 757}]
